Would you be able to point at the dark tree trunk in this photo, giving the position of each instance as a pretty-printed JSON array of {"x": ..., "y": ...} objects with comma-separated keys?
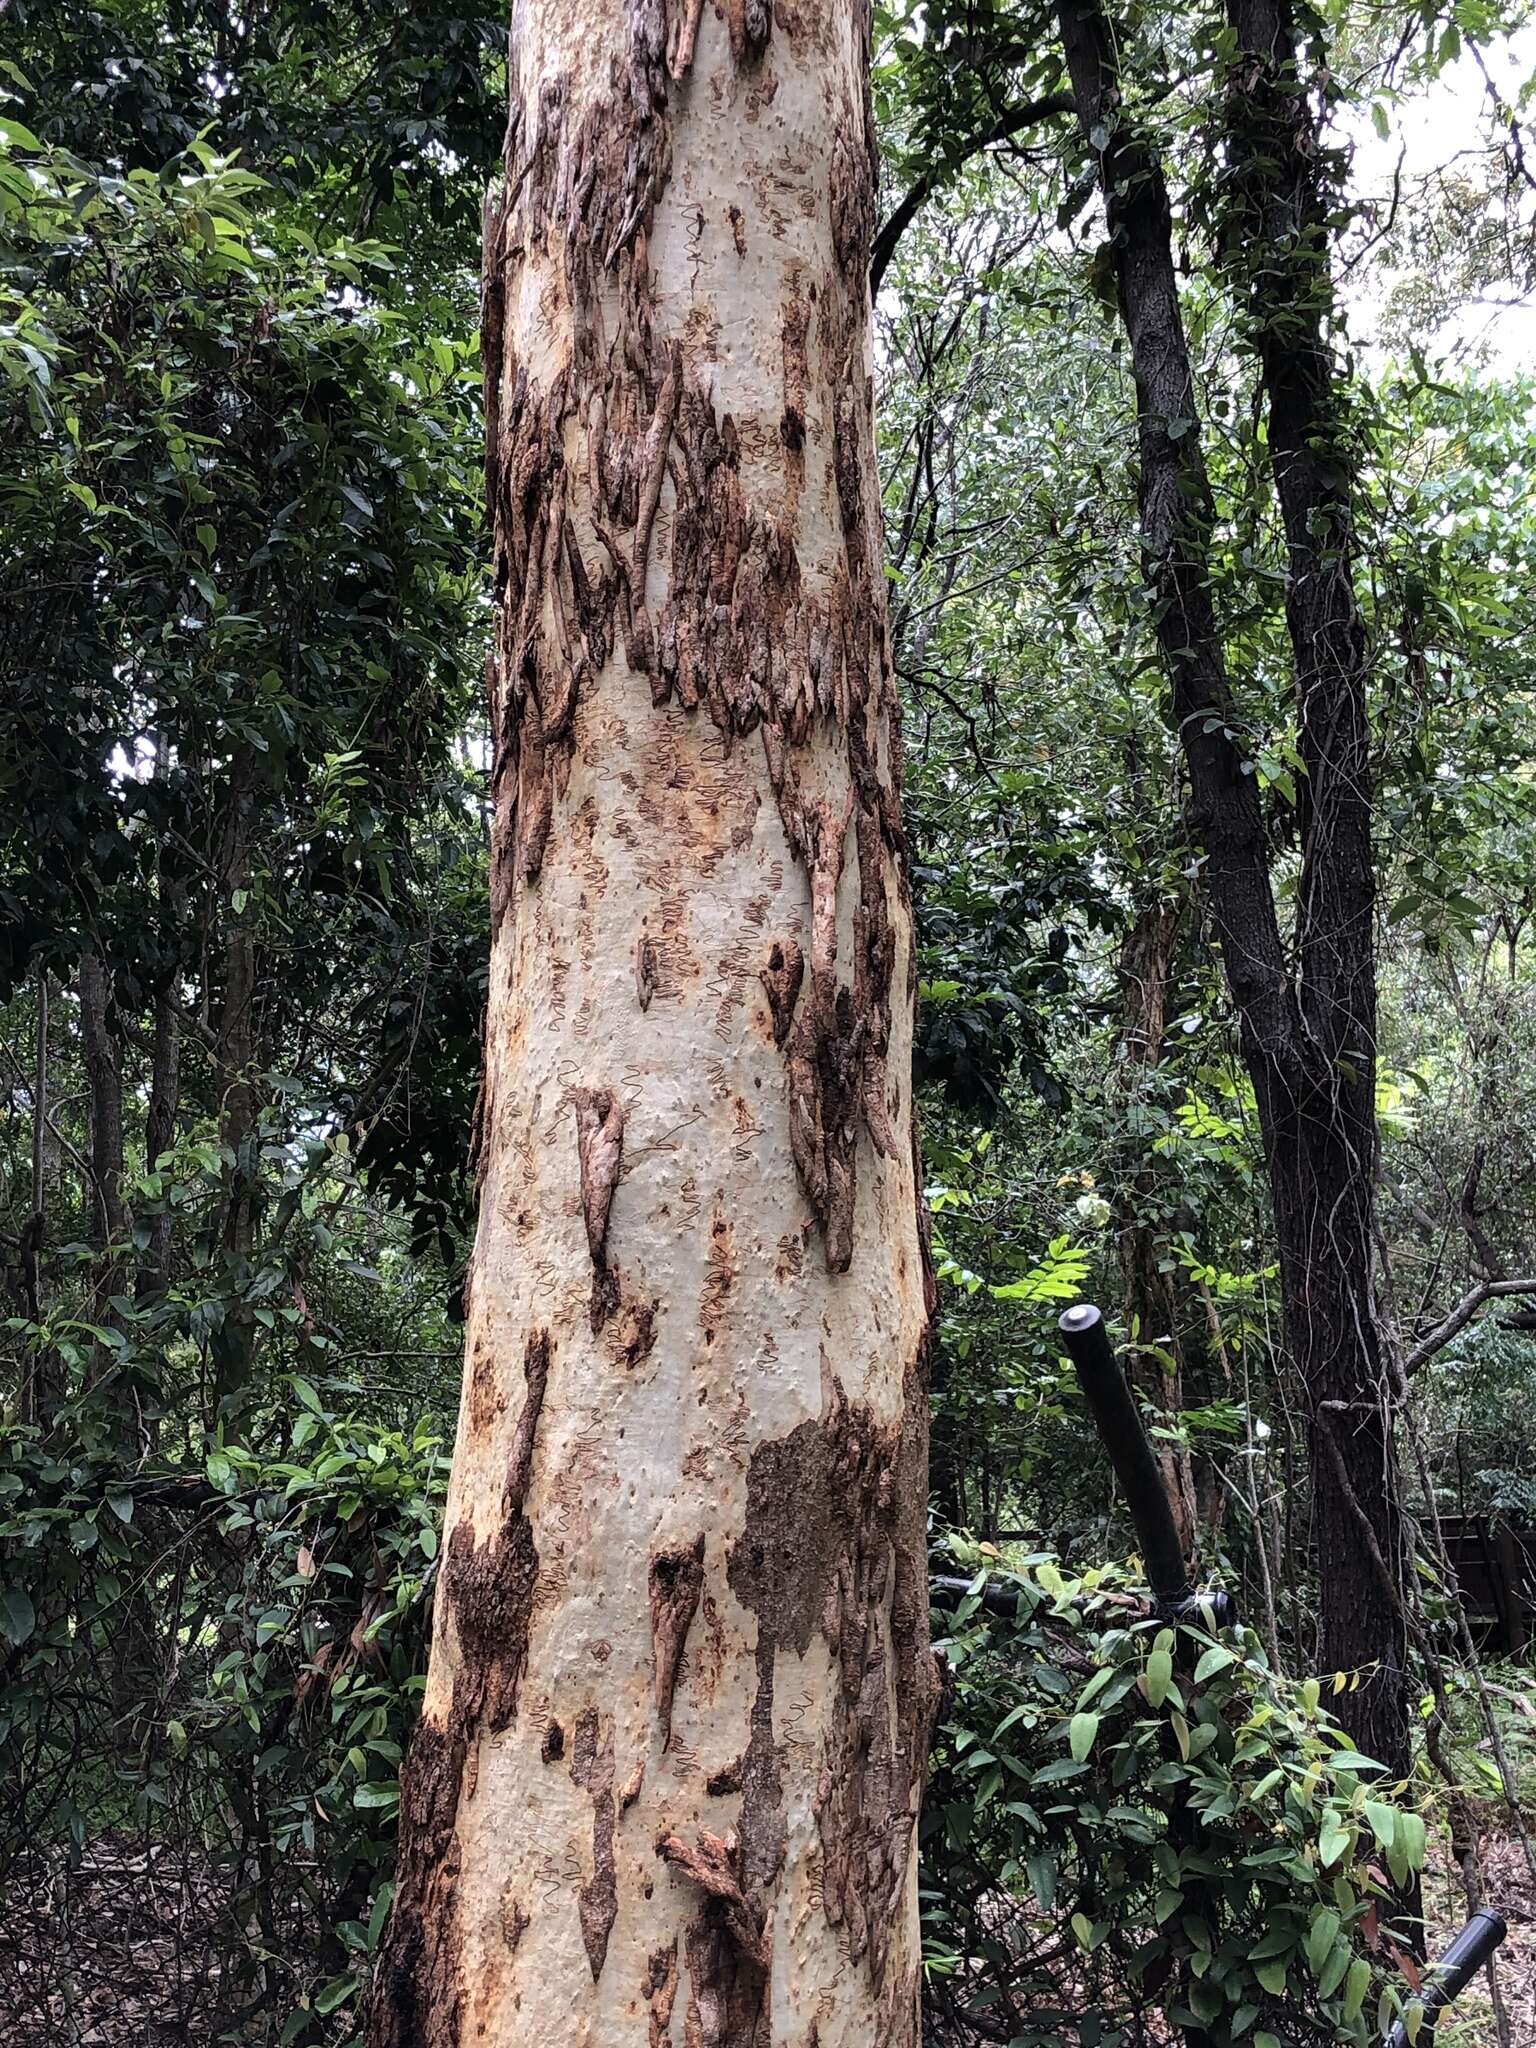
[
  {"x": 1307, "y": 1033},
  {"x": 1277, "y": 248}
]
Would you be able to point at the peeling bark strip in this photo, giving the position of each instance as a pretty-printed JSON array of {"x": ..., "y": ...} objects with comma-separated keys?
[
  {"x": 677, "y": 1580},
  {"x": 696, "y": 776},
  {"x": 598, "y": 1899}
]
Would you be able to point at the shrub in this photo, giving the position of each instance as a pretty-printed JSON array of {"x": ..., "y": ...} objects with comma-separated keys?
[{"x": 1132, "y": 1827}]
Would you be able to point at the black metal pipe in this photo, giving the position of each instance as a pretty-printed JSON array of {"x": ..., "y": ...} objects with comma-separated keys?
[
  {"x": 1453, "y": 1973},
  {"x": 1119, "y": 1425},
  {"x": 999, "y": 1600}
]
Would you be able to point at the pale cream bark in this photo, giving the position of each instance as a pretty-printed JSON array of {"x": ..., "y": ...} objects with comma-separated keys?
[{"x": 666, "y": 1783}]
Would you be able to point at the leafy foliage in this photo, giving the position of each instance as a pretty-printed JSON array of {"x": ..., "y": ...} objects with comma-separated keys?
[{"x": 1131, "y": 1824}]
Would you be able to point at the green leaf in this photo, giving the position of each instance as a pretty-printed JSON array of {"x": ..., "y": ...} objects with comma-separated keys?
[
  {"x": 1272, "y": 1976},
  {"x": 14, "y": 136},
  {"x": 1215, "y": 1659},
  {"x": 1159, "y": 1676},
  {"x": 1081, "y": 1734},
  {"x": 1359, "y": 1982},
  {"x": 381, "y": 1905},
  {"x": 336, "y": 1993},
  {"x": 18, "y": 1617},
  {"x": 375, "y": 1795},
  {"x": 1383, "y": 1820},
  {"x": 1332, "y": 1841},
  {"x": 1321, "y": 1936},
  {"x": 1331, "y": 1975},
  {"x": 1411, "y": 1839}
]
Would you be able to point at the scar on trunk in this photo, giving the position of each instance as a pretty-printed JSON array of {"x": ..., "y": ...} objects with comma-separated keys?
[
  {"x": 599, "y": 1150},
  {"x": 647, "y": 970},
  {"x": 676, "y": 1581},
  {"x": 597, "y": 1903},
  {"x": 714, "y": 1866},
  {"x": 781, "y": 980},
  {"x": 659, "y": 1985},
  {"x": 797, "y": 320}
]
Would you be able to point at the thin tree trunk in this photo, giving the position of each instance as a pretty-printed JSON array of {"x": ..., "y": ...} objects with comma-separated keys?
[
  {"x": 104, "y": 1084},
  {"x": 234, "y": 1068},
  {"x": 160, "y": 1133},
  {"x": 673, "y": 1740},
  {"x": 1150, "y": 1300},
  {"x": 42, "y": 1388},
  {"x": 1318, "y": 1136}
]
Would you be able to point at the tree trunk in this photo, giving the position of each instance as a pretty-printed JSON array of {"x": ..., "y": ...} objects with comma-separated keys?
[
  {"x": 1151, "y": 1303},
  {"x": 104, "y": 1085},
  {"x": 1308, "y": 1038},
  {"x": 234, "y": 1341},
  {"x": 1277, "y": 247},
  {"x": 160, "y": 1135},
  {"x": 673, "y": 1738}
]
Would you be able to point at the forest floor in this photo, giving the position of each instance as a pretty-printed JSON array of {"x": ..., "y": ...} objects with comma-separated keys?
[
  {"x": 124, "y": 1953},
  {"x": 1512, "y": 1892}
]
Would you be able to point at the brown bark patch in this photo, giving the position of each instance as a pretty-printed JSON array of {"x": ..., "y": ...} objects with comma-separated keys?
[
  {"x": 597, "y": 1902},
  {"x": 846, "y": 1560},
  {"x": 552, "y": 1748},
  {"x": 636, "y": 1333},
  {"x": 781, "y": 980},
  {"x": 647, "y": 970},
  {"x": 676, "y": 1579},
  {"x": 418, "y": 1995},
  {"x": 659, "y": 1988},
  {"x": 486, "y": 1400},
  {"x": 726, "y": 1950},
  {"x": 515, "y": 1920},
  {"x": 489, "y": 1587},
  {"x": 797, "y": 320},
  {"x": 715, "y": 1868}
]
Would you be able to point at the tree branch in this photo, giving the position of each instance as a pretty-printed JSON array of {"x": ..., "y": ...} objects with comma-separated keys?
[
  {"x": 896, "y": 223},
  {"x": 1460, "y": 1316}
]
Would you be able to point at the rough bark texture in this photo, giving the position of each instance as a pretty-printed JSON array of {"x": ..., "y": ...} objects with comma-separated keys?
[
  {"x": 666, "y": 1782},
  {"x": 1278, "y": 244},
  {"x": 1307, "y": 1024}
]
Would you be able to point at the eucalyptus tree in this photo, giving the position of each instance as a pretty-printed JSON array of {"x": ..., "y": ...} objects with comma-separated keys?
[{"x": 676, "y": 1719}]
